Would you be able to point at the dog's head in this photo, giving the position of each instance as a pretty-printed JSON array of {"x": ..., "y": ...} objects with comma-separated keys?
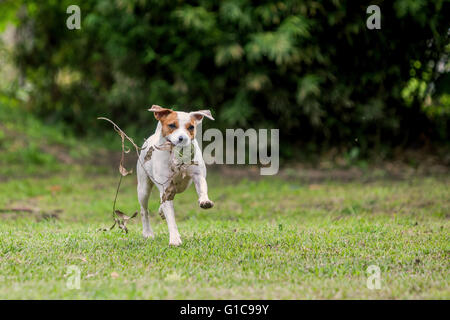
[{"x": 179, "y": 127}]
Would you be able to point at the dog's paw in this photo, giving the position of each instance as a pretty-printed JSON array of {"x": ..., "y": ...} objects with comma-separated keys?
[
  {"x": 148, "y": 234},
  {"x": 175, "y": 240},
  {"x": 206, "y": 204}
]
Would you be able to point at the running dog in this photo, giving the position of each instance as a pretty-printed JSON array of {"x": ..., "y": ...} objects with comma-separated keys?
[{"x": 157, "y": 166}]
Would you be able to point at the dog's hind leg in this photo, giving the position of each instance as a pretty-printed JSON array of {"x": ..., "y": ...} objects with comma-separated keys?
[
  {"x": 161, "y": 213},
  {"x": 144, "y": 189}
]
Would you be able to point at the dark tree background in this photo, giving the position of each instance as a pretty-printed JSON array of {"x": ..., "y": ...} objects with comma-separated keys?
[{"x": 310, "y": 68}]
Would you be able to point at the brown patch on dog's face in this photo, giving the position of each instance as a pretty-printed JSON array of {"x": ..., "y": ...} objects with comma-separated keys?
[
  {"x": 190, "y": 128},
  {"x": 169, "y": 123}
]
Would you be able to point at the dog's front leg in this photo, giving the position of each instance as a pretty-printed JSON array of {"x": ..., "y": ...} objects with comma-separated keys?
[
  {"x": 169, "y": 213},
  {"x": 202, "y": 190}
]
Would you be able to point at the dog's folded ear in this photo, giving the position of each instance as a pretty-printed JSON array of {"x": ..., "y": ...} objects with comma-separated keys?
[
  {"x": 159, "y": 112},
  {"x": 198, "y": 115}
]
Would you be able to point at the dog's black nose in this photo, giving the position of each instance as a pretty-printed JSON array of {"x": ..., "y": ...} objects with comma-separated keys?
[{"x": 180, "y": 138}]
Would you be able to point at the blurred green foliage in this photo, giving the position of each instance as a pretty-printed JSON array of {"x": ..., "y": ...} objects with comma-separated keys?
[{"x": 310, "y": 68}]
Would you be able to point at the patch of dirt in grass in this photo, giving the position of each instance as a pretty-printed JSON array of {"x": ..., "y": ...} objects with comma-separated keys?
[
  {"x": 425, "y": 165},
  {"x": 29, "y": 208}
]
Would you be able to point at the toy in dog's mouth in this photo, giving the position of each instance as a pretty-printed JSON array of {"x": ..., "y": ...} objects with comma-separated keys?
[
  {"x": 166, "y": 146},
  {"x": 184, "y": 154},
  {"x": 179, "y": 154}
]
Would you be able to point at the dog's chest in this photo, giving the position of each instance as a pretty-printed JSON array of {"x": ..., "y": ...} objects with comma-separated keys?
[
  {"x": 181, "y": 180},
  {"x": 169, "y": 172}
]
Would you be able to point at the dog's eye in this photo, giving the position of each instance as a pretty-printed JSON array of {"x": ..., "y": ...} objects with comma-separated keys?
[
  {"x": 172, "y": 125},
  {"x": 191, "y": 128}
]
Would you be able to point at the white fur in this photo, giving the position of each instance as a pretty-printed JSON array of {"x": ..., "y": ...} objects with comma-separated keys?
[
  {"x": 183, "y": 119},
  {"x": 157, "y": 172}
]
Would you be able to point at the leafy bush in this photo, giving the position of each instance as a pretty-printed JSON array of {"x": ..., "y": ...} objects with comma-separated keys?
[{"x": 310, "y": 68}]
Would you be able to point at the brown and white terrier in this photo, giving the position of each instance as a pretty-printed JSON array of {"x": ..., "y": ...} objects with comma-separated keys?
[{"x": 156, "y": 166}]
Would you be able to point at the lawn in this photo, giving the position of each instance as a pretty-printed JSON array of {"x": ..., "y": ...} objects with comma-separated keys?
[{"x": 266, "y": 238}]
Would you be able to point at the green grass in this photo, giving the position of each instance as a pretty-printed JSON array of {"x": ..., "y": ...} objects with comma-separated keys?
[
  {"x": 269, "y": 239},
  {"x": 28, "y": 146}
]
